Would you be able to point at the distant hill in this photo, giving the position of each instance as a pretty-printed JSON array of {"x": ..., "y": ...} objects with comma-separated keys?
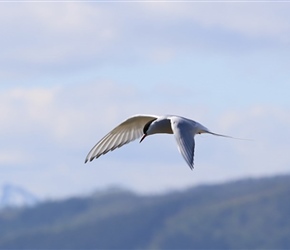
[{"x": 247, "y": 214}]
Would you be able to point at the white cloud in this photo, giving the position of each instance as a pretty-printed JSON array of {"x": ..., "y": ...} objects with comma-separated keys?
[
  {"x": 25, "y": 109},
  {"x": 71, "y": 36},
  {"x": 268, "y": 127},
  {"x": 13, "y": 157},
  {"x": 55, "y": 34},
  {"x": 248, "y": 19}
]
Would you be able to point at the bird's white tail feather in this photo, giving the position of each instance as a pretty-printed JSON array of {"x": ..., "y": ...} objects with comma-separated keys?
[{"x": 227, "y": 136}]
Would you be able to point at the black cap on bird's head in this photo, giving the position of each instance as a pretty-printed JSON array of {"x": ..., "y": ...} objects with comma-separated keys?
[{"x": 145, "y": 129}]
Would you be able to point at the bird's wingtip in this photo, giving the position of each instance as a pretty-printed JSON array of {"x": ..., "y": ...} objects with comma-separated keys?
[
  {"x": 191, "y": 166},
  {"x": 89, "y": 159}
]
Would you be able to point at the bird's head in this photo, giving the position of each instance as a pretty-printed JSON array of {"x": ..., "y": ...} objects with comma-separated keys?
[{"x": 146, "y": 130}]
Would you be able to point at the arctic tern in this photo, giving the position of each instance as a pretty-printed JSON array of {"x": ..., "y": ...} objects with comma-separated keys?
[{"x": 138, "y": 126}]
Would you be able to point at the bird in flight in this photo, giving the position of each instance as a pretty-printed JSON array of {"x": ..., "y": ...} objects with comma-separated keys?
[{"x": 141, "y": 126}]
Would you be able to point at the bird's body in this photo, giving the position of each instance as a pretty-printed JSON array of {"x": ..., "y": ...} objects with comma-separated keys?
[{"x": 134, "y": 127}]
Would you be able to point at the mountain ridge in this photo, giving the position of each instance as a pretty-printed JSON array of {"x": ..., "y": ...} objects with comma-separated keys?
[{"x": 250, "y": 213}]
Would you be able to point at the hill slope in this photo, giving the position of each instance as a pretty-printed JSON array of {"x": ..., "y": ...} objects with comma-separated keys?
[{"x": 250, "y": 214}]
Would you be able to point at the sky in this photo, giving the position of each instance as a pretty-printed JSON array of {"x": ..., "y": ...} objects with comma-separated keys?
[{"x": 71, "y": 71}]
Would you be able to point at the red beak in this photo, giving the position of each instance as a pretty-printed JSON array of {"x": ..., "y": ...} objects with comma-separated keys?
[{"x": 143, "y": 137}]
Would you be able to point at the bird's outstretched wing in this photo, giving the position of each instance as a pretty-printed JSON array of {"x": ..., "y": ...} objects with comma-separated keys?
[
  {"x": 184, "y": 135},
  {"x": 127, "y": 131}
]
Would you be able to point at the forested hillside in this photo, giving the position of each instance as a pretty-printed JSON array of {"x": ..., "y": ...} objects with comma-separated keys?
[{"x": 248, "y": 214}]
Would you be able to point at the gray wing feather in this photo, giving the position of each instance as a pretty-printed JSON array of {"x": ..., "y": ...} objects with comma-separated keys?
[
  {"x": 129, "y": 130},
  {"x": 183, "y": 133}
]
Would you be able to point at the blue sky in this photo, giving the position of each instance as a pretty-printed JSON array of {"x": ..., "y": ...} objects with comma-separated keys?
[{"x": 71, "y": 71}]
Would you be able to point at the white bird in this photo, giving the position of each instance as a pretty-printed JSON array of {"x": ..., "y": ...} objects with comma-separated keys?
[{"x": 136, "y": 126}]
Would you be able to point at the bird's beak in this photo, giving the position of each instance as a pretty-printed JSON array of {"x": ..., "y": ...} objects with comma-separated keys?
[{"x": 143, "y": 137}]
